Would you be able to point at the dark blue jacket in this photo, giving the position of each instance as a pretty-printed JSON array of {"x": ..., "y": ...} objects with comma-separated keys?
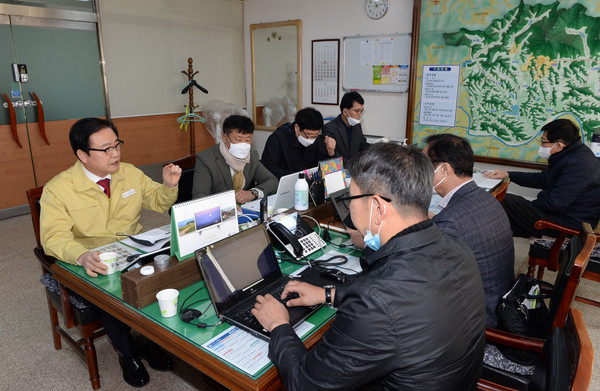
[
  {"x": 570, "y": 186},
  {"x": 477, "y": 217}
]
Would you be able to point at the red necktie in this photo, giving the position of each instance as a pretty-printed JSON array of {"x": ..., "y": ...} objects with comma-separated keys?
[{"x": 105, "y": 183}]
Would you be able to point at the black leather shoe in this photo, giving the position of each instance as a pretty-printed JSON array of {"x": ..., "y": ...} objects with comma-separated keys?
[
  {"x": 134, "y": 371},
  {"x": 153, "y": 354}
]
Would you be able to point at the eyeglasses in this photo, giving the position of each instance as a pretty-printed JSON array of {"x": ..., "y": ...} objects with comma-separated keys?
[
  {"x": 110, "y": 150},
  {"x": 358, "y": 111},
  {"x": 346, "y": 200},
  {"x": 308, "y": 136},
  {"x": 542, "y": 141}
]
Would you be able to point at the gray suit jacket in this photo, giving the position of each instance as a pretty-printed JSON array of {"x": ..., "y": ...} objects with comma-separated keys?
[
  {"x": 477, "y": 217},
  {"x": 337, "y": 130},
  {"x": 213, "y": 175}
]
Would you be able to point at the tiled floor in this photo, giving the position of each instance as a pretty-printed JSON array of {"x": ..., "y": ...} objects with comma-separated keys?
[{"x": 29, "y": 360}]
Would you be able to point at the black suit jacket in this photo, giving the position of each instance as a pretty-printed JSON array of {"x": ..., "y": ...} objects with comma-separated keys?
[{"x": 337, "y": 130}]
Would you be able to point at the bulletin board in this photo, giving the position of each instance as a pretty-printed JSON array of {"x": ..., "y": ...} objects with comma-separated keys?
[{"x": 376, "y": 63}]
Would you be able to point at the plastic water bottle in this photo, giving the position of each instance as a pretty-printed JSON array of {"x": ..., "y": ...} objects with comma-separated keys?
[{"x": 301, "y": 193}]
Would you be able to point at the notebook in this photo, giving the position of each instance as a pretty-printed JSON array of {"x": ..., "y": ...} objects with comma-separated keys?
[
  {"x": 284, "y": 198},
  {"x": 239, "y": 268},
  {"x": 333, "y": 175}
]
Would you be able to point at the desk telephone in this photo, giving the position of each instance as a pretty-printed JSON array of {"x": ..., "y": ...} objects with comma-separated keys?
[{"x": 296, "y": 235}]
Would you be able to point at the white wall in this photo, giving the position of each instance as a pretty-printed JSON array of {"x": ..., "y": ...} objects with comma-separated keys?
[
  {"x": 147, "y": 44},
  {"x": 327, "y": 19}
]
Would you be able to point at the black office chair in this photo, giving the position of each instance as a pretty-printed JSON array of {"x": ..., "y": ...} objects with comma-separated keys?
[
  {"x": 186, "y": 182},
  {"x": 75, "y": 310}
]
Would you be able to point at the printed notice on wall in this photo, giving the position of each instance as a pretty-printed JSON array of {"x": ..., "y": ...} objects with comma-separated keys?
[{"x": 439, "y": 95}]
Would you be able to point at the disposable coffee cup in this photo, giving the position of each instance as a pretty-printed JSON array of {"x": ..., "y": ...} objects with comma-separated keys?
[
  {"x": 110, "y": 260},
  {"x": 167, "y": 302}
]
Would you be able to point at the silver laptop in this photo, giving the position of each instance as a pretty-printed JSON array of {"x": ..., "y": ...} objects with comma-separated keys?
[
  {"x": 239, "y": 268},
  {"x": 284, "y": 198}
]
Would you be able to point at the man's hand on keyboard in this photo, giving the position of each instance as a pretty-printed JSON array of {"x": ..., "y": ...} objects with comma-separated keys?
[
  {"x": 270, "y": 312},
  {"x": 309, "y": 294}
]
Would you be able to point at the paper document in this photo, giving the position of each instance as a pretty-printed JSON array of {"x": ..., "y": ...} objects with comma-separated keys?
[{"x": 245, "y": 351}]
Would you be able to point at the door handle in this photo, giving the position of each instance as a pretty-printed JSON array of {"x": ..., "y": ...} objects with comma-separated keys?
[
  {"x": 13, "y": 120},
  {"x": 40, "y": 111}
]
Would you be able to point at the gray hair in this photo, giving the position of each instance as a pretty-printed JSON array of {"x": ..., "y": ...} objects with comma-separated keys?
[{"x": 403, "y": 174}]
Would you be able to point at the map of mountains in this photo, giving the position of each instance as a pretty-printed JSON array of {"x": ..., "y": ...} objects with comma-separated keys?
[{"x": 531, "y": 65}]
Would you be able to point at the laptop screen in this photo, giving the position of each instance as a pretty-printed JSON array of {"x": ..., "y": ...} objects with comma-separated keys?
[{"x": 239, "y": 266}]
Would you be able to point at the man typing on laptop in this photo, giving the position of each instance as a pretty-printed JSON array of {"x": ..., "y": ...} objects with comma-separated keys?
[{"x": 421, "y": 284}]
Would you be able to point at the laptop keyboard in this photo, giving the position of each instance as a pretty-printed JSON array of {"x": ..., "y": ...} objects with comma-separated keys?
[{"x": 245, "y": 314}]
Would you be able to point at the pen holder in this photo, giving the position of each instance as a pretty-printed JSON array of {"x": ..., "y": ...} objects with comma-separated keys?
[{"x": 317, "y": 192}]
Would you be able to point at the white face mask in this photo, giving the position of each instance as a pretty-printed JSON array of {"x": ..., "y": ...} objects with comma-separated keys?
[
  {"x": 353, "y": 121},
  {"x": 440, "y": 182},
  {"x": 239, "y": 150},
  {"x": 306, "y": 142},
  {"x": 544, "y": 152}
]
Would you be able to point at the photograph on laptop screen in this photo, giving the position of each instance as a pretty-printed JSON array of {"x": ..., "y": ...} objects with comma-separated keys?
[{"x": 333, "y": 175}]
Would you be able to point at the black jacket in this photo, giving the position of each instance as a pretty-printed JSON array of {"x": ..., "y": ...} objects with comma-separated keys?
[
  {"x": 570, "y": 186},
  {"x": 343, "y": 148},
  {"x": 283, "y": 153},
  {"x": 414, "y": 321}
]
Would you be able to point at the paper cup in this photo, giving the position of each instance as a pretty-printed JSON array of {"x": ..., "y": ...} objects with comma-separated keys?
[
  {"x": 110, "y": 260},
  {"x": 167, "y": 302}
]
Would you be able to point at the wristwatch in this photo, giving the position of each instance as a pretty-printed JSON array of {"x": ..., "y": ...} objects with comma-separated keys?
[
  {"x": 328, "y": 298},
  {"x": 255, "y": 192}
]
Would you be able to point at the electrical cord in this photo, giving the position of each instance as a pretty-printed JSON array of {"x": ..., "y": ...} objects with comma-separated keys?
[{"x": 188, "y": 315}]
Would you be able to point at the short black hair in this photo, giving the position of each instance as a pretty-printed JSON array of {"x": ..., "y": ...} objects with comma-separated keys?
[
  {"x": 390, "y": 170},
  {"x": 242, "y": 123},
  {"x": 451, "y": 149},
  {"x": 562, "y": 130},
  {"x": 348, "y": 100},
  {"x": 309, "y": 118},
  {"x": 80, "y": 132}
]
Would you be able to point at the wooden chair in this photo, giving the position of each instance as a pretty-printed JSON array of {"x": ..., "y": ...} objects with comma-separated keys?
[
  {"x": 499, "y": 191},
  {"x": 186, "y": 182},
  {"x": 575, "y": 260},
  {"x": 87, "y": 320},
  {"x": 565, "y": 362},
  {"x": 542, "y": 256}
]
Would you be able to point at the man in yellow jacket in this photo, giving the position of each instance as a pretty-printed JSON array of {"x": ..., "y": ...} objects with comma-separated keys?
[{"x": 86, "y": 205}]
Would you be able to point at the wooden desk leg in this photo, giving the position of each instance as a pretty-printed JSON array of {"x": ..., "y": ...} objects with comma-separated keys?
[{"x": 90, "y": 357}]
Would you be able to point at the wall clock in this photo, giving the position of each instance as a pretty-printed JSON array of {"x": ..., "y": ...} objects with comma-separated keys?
[{"x": 376, "y": 9}]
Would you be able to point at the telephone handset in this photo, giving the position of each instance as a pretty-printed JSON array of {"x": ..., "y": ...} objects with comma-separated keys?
[
  {"x": 286, "y": 237},
  {"x": 296, "y": 235}
]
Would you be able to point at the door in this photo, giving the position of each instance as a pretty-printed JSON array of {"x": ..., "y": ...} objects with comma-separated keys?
[{"x": 64, "y": 82}]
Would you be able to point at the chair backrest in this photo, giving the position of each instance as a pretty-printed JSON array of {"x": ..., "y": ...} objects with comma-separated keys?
[
  {"x": 186, "y": 182},
  {"x": 551, "y": 369},
  {"x": 500, "y": 191},
  {"x": 33, "y": 196},
  {"x": 572, "y": 265}
]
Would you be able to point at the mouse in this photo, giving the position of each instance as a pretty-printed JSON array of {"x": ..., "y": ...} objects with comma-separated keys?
[
  {"x": 190, "y": 314},
  {"x": 334, "y": 275}
]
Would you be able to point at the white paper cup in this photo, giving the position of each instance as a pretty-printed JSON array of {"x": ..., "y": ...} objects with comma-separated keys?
[
  {"x": 167, "y": 302},
  {"x": 110, "y": 260}
]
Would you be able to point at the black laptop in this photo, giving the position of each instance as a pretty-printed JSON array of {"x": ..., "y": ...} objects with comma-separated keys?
[
  {"x": 239, "y": 268},
  {"x": 342, "y": 207}
]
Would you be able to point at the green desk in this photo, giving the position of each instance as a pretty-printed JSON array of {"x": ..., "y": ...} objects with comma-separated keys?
[{"x": 182, "y": 339}]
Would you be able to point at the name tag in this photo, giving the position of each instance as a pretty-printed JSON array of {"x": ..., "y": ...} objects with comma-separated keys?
[{"x": 128, "y": 193}]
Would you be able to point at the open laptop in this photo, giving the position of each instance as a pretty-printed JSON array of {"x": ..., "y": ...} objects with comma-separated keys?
[
  {"x": 342, "y": 208},
  {"x": 284, "y": 198},
  {"x": 239, "y": 268}
]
